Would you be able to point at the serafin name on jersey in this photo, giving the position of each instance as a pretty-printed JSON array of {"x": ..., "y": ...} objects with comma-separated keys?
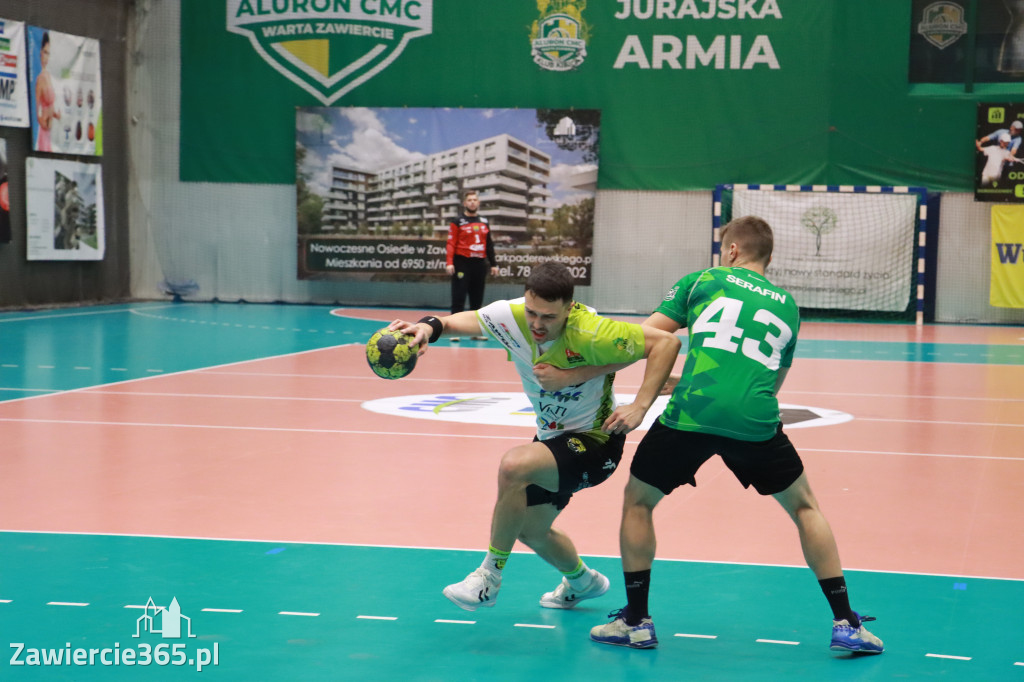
[{"x": 781, "y": 298}]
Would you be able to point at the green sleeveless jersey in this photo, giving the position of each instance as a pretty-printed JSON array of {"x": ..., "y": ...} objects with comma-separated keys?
[{"x": 742, "y": 331}]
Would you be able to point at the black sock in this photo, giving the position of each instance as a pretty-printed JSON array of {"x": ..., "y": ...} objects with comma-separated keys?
[
  {"x": 835, "y": 592},
  {"x": 638, "y": 584}
]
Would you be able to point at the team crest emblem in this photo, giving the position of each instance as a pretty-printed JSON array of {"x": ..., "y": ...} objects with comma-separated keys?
[
  {"x": 576, "y": 445},
  {"x": 559, "y": 38},
  {"x": 329, "y": 48},
  {"x": 625, "y": 345},
  {"x": 942, "y": 24}
]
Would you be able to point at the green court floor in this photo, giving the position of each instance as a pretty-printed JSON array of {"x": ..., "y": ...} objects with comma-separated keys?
[{"x": 326, "y": 612}]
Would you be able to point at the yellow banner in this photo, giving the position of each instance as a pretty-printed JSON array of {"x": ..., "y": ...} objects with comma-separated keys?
[{"x": 1007, "y": 285}]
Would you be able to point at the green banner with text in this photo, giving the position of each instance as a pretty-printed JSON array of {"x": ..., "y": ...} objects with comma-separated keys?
[{"x": 692, "y": 92}]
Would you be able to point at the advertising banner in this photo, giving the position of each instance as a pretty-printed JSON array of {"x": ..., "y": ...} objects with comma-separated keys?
[
  {"x": 66, "y": 102},
  {"x": 13, "y": 75},
  {"x": 1007, "y": 281},
  {"x": 683, "y": 85},
  {"x": 378, "y": 188},
  {"x": 65, "y": 210},
  {"x": 999, "y": 162}
]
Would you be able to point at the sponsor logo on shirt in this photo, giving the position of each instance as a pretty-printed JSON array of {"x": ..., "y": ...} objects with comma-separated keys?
[
  {"x": 626, "y": 345},
  {"x": 500, "y": 331}
]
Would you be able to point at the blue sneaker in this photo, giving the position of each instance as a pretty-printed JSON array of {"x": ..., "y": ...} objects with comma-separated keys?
[
  {"x": 618, "y": 632},
  {"x": 845, "y": 637}
]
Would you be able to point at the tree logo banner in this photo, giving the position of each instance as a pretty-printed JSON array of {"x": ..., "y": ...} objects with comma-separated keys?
[{"x": 329, "y": 47}]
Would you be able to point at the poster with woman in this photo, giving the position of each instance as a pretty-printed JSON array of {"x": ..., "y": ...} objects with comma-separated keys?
[
  {"x": 65, "y": 210},
  {"x": 65, "y": 101}
]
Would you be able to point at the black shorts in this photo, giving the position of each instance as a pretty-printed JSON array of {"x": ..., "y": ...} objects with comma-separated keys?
[
  {"x": 583, "y": 461},
  {"x": 668, "y": 458}
]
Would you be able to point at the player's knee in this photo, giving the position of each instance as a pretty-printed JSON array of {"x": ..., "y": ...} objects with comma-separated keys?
[
  {"x": 515, "y": 466},
  {"x": 639, "y": 497}
]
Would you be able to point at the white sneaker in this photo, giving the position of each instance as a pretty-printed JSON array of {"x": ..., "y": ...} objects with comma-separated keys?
[
  {"x": 565, "y": 597},
  {"x": 480, "y": 588},
  {"x": 845, "y": 637},
  {"x": 454, "y": 339},
  {"x": 619, "y": 633}
]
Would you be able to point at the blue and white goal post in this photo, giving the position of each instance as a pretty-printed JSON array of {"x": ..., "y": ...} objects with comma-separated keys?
[{"x": 845, "y": 251}]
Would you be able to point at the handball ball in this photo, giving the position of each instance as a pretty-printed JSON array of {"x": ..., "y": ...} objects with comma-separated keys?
[{"x": 389, "y": 354}]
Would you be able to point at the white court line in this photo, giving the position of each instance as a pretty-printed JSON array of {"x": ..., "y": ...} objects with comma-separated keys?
[
  {"x": 141, "y": 607},
  {"x": 474, "y": 551},
  {"x": 228, "y": 396},
  {"x": 67, "y": 603},
  {"x": 378, "y": 617},
  {"x": 686, "y": 634},
  {"x": 777, "y": 641},
  {"x": 83, "y": 314},
  {"x": 261, "y": 428},
  {"x": 893, "y": 395},
  {"x": 182, "y": 372},
  {"x": 209, "y": 610},
  {"x": 533, "y": 625},
  {"x": 415, "y": 434},
  {"x": 167, "y": 394},
  {"x": 297, "y": 613},
  {"x": 954, "y": 658},
  {"x": 5, "y": 601},
  {"x": 931, "y": 421},
  {"x": 915, "y": 454},
  {"x": 456, "y": 622},
  {"x": 367, "y": 377}
]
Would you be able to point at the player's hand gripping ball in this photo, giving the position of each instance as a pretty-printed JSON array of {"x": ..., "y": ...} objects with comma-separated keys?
[{"x": 389, "y": 354}]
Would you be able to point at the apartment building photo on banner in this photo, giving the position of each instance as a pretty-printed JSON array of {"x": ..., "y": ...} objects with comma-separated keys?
[{"x": 377, "y": 188}]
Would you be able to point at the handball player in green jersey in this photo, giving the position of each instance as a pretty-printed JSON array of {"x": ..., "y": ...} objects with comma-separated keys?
[{"x": 742, "y": 333}]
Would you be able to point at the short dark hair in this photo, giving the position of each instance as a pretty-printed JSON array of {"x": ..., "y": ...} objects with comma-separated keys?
[
  {"x": 752, "y": 234},
  {"x": 551, "y": 281}
]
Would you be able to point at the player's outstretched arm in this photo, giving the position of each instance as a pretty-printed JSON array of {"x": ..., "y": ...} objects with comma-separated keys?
[
  {"x": 661, "y": 348},
  {"x": 464, "y": 324}
]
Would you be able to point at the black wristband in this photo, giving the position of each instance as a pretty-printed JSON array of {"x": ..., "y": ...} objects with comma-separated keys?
[{"x": 436, "y": 326}]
